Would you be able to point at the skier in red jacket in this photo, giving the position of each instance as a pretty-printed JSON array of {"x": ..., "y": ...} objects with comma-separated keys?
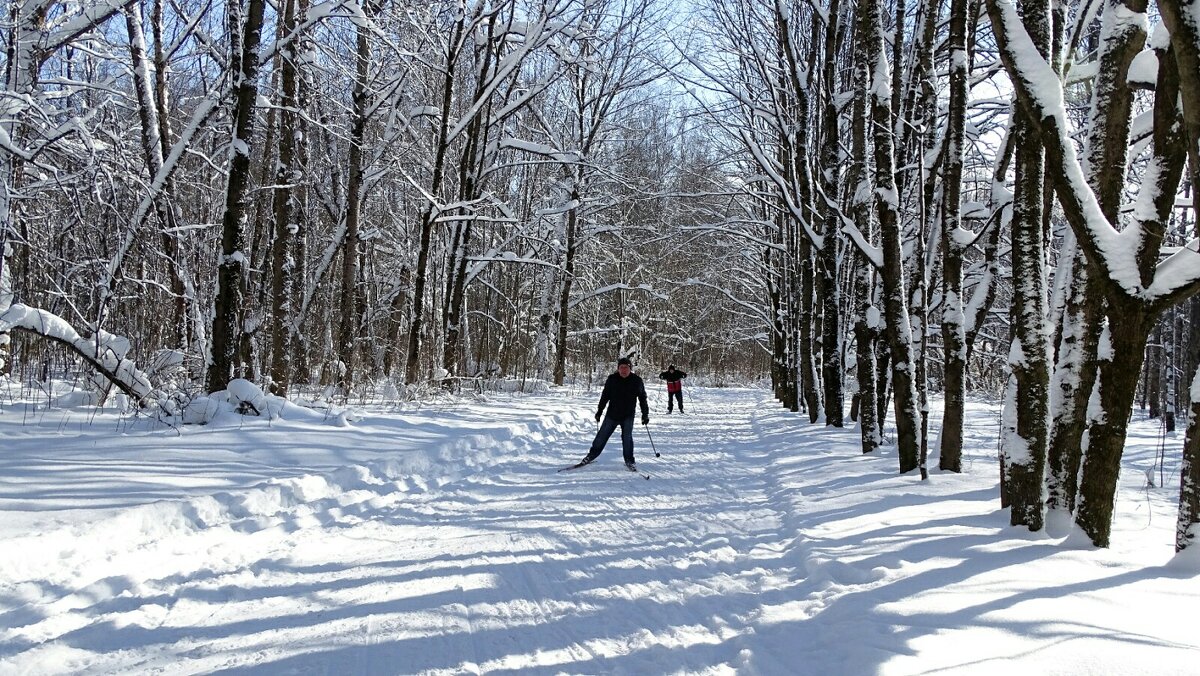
[{"x": 674, "y": 378}]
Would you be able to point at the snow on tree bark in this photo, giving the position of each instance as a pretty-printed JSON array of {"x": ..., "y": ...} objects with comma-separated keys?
[
  {"x": 1132, "y": 319},
  {"x": 359, "y": 103},
  {"x": 227, "y": 330},
  {"x": 953, "y": 245},
  {"x": 832, "y": 361},
  {"x": 1137, "y": 287},
  {"x": 898, "y": 329},
  {"x": 1073, "y": 378},
  {"x": 1024, "y": 446},
  {"x": 289, "y": 173},
  {"x": 1187, "y": 527},
  {"x": 1121, "y": 39},
  {"x": 866, "y": 333}
]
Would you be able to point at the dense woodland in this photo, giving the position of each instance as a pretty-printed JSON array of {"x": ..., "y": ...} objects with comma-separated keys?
[{"x": 868, "y": 203}]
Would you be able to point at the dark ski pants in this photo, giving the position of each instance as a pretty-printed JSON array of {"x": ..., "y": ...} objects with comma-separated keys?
[
  {"x": 671, "y": 397},
  {"x": 607, "y": 427}
]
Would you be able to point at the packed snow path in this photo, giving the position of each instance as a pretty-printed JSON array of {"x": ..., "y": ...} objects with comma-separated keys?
[{"x": 761, "y": 545}]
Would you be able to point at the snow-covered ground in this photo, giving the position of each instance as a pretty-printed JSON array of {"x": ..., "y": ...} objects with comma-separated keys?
[{"x": 441, "y": 540}]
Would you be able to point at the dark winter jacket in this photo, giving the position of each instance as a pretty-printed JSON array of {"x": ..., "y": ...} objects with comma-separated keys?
[
  {"x": 622, "y": 395},
  {"x": 672, "y": 375}
]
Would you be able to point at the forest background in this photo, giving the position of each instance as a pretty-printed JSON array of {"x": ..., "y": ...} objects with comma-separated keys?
[{"x": 868, "y": 203}]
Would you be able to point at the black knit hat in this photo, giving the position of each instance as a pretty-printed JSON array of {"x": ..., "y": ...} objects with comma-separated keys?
[{"x": 624, "y": 361}]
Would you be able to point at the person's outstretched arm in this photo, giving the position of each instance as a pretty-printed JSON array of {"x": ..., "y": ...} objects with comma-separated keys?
[{"x": 605, "y": 395}]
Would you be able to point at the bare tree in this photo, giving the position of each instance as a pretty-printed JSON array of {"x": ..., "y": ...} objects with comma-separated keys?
[
  {"x": 867, "y": 329},
  {"x": 832, "y": 360},
  {"x": 898, "y": 329},
  {"x": 954, "y": 243},
  {"x": 1137, "y": 286},
  {"x": 1024, "y": 442}
]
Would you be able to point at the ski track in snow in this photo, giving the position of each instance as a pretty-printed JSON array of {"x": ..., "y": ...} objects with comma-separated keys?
[{"x": 762, "y": 545}]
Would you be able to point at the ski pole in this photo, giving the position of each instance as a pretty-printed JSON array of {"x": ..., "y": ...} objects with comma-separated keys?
[{"x": 647, "y": 428}]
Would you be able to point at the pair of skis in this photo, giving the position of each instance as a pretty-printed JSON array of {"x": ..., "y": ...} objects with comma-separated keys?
[{"x": 577, "y": 465}]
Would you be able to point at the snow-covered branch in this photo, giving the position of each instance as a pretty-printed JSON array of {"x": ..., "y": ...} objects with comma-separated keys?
[
  {"x": 1113, "y": 252},
  {"x": 105, "y": 352}
]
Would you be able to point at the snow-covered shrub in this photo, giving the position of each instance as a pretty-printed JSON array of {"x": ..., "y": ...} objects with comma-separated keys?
[
  {"x": 200, "y": 411},
  {"x": 246, "y": 397},
  {"x": 511, "y": 385},
  {"x": 392, "y": 391},
  {"x": 78, "y": 398}
]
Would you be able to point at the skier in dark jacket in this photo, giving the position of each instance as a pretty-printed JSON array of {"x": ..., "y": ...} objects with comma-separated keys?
[
  {"x": 674, "y": 378},
  {"x": 622, "y": 392}
]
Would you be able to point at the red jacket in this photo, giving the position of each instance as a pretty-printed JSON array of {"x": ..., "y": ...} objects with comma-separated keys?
[{"x": 673, "y": 378}]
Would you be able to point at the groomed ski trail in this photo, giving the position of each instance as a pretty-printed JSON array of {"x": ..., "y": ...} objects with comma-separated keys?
[
  {"x": 600, "y": 600},
  {"x": 510, "y": 568}
]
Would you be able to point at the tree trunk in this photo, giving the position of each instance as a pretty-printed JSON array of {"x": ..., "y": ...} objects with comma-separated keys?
[
  {"x": 953, "y": 239},
  {"x": 898, "y": 329},
  {"x": 1074, "y": 379},
  {"x": 288, "y": 175},
  {"x": 152, "y": 149},
  {"x": 778, "y": 331},
  {"x": 472, "y": 163},
  {"x": 806, "y": 300},
  {"x": 832, "y": 366},
  {"x": 226, "y": 328},
  {"x": 1154, "y": 372},
  {"x": 1130, "y": 319},
  {"x": 866, "y": 333},
  {"x": 412, "y": 369},
  {"x": 1117, "y": 384},
  {"x": 1025, "y": 444},
  {"x": 568, "y": 279},
  {"x": 348, "y": 306},
  {"x": 1187, "y": 528}
]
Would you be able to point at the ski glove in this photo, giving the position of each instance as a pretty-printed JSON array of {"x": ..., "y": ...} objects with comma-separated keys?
[
  {"x": 645, "y": 420},
  {"x": 597, "y": 416}
]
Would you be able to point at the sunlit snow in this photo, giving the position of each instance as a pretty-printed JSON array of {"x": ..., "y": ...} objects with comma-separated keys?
[{"x": 441, "y": 540}]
